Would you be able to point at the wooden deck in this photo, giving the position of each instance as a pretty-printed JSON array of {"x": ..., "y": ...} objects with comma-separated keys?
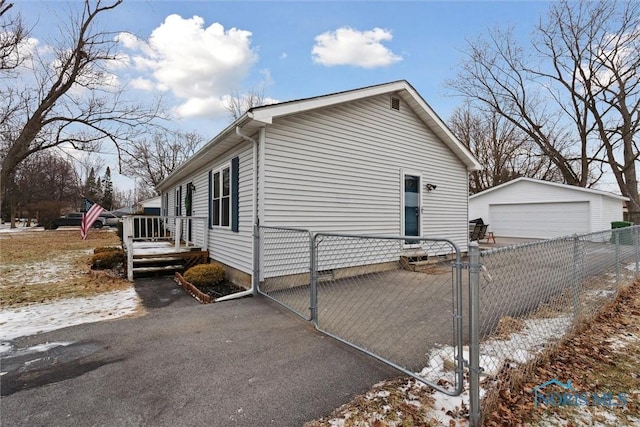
[{"x": 163, "y": 244}]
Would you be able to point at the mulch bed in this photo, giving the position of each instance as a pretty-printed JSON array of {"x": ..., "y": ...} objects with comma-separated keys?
[{"x": 208, "y": 294}]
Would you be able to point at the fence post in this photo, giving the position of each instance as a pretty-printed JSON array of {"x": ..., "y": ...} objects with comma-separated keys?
[
  {"x": 475, "y": 415},
  {"x": 576, "y": 276},
  {"x": 313, "y": 270},
  {"x": 637, "y": 247},
  {"x": 256, "y": 260},
  {"x": 617, "y": 240}
]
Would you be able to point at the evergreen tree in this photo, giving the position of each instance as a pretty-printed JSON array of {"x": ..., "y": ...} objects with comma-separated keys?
[
  {"x": 107, "y": 190},
  {"x": 92, "y": 187}
]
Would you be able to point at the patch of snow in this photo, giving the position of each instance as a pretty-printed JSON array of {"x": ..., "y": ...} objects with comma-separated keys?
[
  {"x": 38, "y": 318},
  {"x": 520, "y": 347},
  {"x": 6, "y": 228},
  {"x": 5, "y": 347},
  {"x": 631, "y": 267},
  {"x": 620, "y": 342}
]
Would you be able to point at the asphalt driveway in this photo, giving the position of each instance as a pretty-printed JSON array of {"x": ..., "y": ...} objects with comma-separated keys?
[{"x": 245, "y": 362}]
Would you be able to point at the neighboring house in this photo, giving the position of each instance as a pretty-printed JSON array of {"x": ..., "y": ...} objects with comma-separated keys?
[
  {"x": 531, "y": 208},
  {"x": 151, "y": 206},
  {"x": 371, "y": 161}
]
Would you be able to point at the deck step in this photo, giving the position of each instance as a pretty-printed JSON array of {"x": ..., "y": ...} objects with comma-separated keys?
[
  {"x": 157, "y": 259},
  {"x": 421, "y": 263},
  {"x": 157, "y": 269}
]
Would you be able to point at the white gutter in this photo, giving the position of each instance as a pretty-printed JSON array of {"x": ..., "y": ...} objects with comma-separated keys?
[
  {"x": 255, "y": 169},
  {"x": 253, "y": 290},
  {"x": 236, "y": 295}
]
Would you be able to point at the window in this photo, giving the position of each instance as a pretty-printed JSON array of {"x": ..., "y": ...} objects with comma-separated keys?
[{"x": 221, "y": 197}]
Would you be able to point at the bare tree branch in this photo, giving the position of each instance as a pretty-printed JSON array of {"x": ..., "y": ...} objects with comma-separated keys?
[
  {"x": 153, "y": 158},
  {"x": 575, "y": 91},
  {"x": 70, "y": 97}
]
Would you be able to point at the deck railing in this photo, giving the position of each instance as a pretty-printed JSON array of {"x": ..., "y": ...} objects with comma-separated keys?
[{"x": 184, "y": 231}]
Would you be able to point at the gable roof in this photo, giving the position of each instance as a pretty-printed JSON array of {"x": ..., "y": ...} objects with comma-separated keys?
[
  {"x": 258, "y": 117},
  {"x": 550, "y": 184}
]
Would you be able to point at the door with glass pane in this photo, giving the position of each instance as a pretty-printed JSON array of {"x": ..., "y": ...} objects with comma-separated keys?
[{"x": 411, "y": 207}]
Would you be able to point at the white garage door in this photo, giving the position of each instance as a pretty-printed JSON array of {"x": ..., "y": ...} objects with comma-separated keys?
[{"x": 539, "y": 220}]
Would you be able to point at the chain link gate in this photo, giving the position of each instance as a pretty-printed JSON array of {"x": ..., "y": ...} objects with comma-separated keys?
[{"x": 398, "y": 299}]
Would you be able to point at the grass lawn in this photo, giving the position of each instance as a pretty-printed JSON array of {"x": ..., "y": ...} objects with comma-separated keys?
[{"x": 38, "y": 266}]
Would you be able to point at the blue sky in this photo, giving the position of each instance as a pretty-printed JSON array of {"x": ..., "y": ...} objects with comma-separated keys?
[{"x": 196, "y": 53}]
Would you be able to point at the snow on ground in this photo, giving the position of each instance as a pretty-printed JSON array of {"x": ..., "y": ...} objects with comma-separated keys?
[
  {"x": 38, "y": 318},
  {"x": 6, "y": 228}
]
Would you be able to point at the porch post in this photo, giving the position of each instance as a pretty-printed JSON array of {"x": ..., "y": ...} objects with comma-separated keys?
[{"x": 178, "y": 232}]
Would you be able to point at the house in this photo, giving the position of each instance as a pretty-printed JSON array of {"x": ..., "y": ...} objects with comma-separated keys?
[
  {"x": 372, "y": 161},
  {"x": 531, "y": 208}
]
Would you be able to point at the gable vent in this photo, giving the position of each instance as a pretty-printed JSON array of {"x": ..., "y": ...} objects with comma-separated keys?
[{"x": 395, "y": 103}]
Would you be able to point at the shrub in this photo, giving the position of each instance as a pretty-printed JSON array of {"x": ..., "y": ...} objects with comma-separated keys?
[
  {"x": 102, "y": 249},
  {"x": 205, "y": 274},
  {"x": 107, "y": 259}
]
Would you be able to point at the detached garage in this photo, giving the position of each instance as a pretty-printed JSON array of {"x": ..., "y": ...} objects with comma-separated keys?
[{"x": 531, "y": 208}]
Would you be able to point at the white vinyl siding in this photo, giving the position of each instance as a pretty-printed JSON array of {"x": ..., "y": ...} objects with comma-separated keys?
[
  {"x": 611, "y": 211},
  {"x": 226, "y": 246},
  {"x": 339, "y": 169}
]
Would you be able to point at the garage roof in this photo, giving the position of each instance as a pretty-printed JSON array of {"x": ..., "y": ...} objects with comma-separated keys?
[{"x": 551, "y": 184}]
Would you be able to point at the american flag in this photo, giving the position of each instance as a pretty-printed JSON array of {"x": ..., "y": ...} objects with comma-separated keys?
[{"x": 88, "y": 218}]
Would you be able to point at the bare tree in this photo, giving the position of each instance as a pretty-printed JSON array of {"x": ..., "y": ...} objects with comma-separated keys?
[
  {"x": 503, "y": 149},
  {"x": 575, "y": 91},
  {"x": 238, "y": 103},
  {"x": 68, "y": 97},
  {"x": 12, "y": 34},
  {"x": 152, "y": 159},
  {"x": 43, "y": 185}
]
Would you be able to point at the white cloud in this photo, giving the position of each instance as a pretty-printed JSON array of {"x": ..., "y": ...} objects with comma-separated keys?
[
  {"x": 142, "y": 83},
  {"x": 196, "y": 64},
  {"x": 197, "y": 106},
  {"x": 347, "y": 46}
]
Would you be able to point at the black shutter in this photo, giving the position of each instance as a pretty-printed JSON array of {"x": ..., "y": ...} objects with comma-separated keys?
[
  {"x": 235, "y": 194},
  {"x": 209, "y": 201}
]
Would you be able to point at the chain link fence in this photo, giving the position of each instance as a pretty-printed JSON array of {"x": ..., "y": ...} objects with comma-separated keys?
[
  {"x": 531, "y": 295},
  {"x": 402, "y": 300}
]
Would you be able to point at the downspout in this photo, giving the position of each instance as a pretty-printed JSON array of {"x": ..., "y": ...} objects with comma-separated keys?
[{"x": 253, "y": 290}]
